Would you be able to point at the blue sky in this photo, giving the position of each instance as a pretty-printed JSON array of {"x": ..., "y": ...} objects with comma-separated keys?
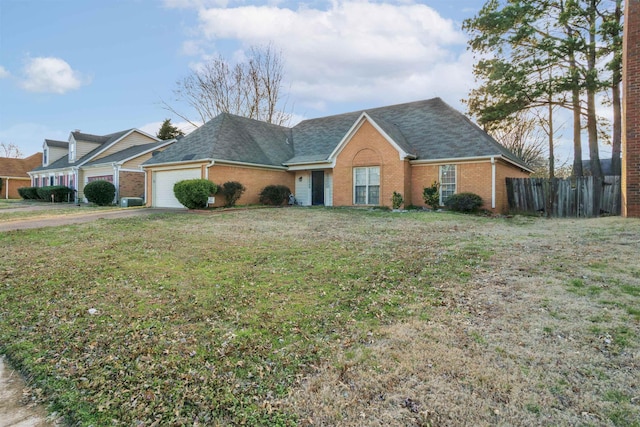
[{"x": 104, "y": 66}]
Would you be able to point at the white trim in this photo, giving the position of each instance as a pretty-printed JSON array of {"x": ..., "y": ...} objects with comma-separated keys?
[
  {"x": 493, "y": 183},
  {"x": 328, "y": 164},
  {"x": 250, "y": 165},
  {"x": 476, "y": 159},
  {"x": 183, "y": 164},
  {"x": 355, "y": 127}
]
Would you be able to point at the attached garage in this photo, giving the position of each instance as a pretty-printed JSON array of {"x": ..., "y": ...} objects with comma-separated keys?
[{"x": 163, "y": 182}]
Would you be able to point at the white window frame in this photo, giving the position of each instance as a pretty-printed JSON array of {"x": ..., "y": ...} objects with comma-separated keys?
[
  {"x": 369, "y": 184},
  {"x": 448, "y": 182},
  {"x": 72, "y": 151}
]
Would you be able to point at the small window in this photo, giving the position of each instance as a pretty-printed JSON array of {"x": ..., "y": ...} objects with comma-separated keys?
[
  {"x": 72, "y": 151},
  {"x": 447, "y": 182},
  {"x": 366, "y": 189},
  {"x": 45, "y": 157}
]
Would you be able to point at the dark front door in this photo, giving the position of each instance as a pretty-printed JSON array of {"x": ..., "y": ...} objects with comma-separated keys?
[{"x": 317, "y": 188}]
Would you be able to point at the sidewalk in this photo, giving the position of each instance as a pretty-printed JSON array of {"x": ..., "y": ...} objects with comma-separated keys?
[{"x": 13, "y": 411}]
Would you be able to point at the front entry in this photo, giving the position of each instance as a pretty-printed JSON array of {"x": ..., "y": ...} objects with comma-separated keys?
[{"x": 317, "y": 188}]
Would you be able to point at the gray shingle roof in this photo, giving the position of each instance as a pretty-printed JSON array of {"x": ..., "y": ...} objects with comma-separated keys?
[
  {"x": 232, "y": 138},
  {"x": 54, "y": 143},
  {"x": 425, "y": 130},
  {"x": 127, "y": 153},
  {"x": 63, "y": 162}
]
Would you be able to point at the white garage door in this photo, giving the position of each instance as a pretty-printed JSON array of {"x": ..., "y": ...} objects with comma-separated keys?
[{"x": 163, "y": 182}]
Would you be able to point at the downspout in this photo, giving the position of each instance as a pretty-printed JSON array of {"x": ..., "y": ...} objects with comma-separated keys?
[
  {"x": 116, "y": 181},
  {"x": 206, "y": 168},
  {"x": 493, "y": 182},
  {"x": 6, "y": 188}
]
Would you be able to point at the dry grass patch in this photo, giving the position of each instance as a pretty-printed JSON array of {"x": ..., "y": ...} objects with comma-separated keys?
[{"x": 327, "y": 317}]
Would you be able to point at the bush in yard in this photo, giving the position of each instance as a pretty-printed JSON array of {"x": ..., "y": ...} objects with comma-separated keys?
[
  {"x": 274, "y": 195},
  {"x": 431, "y": 195},
  {"x": 232, "y": 190},
  {"x": 60, "y": 193},
  {"x": 194, "y": 193},
  {"x": 100, "y": 192},
  {"x": 464, "y": 202},
  {"x": 396, "y": 200},
  {"x": 28, "y": 193}
]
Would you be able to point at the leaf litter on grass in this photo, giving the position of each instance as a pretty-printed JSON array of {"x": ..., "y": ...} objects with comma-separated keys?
[{"x": 330, "y": 317}]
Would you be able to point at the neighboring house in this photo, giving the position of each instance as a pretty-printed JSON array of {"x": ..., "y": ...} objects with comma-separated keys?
[
  {"x": 14, "y": 174},
  {"x": 84, "y": 158},
  {"x": 352, "y": 159}
]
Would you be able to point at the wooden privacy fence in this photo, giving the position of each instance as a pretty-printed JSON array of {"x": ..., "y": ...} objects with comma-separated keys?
[{"x": 571, "y": 197}]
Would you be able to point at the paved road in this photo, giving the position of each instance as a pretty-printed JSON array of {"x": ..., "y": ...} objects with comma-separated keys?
[{"x": 74, "y": 218}]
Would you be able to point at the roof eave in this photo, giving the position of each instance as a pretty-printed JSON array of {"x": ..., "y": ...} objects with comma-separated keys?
[{"x": 470, "y": 159}]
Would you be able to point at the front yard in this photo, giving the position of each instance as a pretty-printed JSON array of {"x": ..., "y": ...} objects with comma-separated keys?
[{"x": 327, "y": 317}]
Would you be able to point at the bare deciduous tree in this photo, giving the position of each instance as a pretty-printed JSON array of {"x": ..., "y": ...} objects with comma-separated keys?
[
  {"x": 10, "y": 150},
  {"x": 524, "y": 137},
  {"x": 250, "y": 89}
]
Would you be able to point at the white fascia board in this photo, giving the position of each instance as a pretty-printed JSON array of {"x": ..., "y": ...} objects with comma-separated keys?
[
  {"x": 184, "y": 164},
  {"x": 249, "y": 165},
  {"x": 141, "y": 132},
  {"x": 358, "y": 123},
  {"x": 477, "y": 159},
  {"x": 303, "y": 166}
]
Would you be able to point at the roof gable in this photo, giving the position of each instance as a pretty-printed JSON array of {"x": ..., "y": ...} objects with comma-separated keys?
[{"x": 364, "y": 117}]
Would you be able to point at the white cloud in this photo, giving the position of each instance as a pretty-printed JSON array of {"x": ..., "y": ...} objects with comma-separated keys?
[
  {"x": 351, "y": 51},
  {"x": 4, "y": 73},
  {"x": 51, "y": 75}
]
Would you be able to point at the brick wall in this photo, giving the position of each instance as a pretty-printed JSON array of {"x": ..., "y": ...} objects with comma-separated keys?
[
  {"x": 131, "y": 184},
  {"x": 474, "y": 177},
  {"x": 369, "y": 148},
  {"x": 253, "y": 179},
  {"x": 631, "y": 111},
  {"x": 9, "y": 187}
]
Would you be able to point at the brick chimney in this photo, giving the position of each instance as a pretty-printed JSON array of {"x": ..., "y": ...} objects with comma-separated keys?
[{"x": 631, "y": 111}]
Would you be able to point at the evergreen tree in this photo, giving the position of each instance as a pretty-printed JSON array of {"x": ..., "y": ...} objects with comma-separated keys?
[{"x": 168, "y": 131}]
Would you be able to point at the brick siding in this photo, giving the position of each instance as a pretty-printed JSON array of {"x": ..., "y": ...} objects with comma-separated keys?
[
  {"x": 631, "y": 111},
  {"x": 131, "y": 184},
  {"x": 254, "y": 180},
  {"x": 369, "y": 148}
]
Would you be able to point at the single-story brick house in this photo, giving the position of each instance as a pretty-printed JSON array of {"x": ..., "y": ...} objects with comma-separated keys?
[
  {"x": 352, "y": 159},
  {"x": 115, "y": 157},
  {"x": 14, "y": 174}
]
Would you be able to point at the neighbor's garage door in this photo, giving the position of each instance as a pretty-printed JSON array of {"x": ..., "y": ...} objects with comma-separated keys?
[{"x": 163, "y": 182}]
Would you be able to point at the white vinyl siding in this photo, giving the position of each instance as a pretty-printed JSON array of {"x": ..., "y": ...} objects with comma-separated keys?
[
  {"x": 163, "y": 182},
  {"x": 303, "y": 188},
  {"x": 132, "y": 140},
  {"x": 366, "y": 188},
  {"x": 328, "y": 189},
  {"x": 447, "y": 182}
]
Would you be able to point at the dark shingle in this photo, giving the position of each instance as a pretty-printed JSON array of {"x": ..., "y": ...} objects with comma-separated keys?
[{"x": 425, "y": 130}]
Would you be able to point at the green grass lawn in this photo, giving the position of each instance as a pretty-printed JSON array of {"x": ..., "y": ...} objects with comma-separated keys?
[
  {"x": 215, "y": 319},
  {"x": 13, "y": 210}
]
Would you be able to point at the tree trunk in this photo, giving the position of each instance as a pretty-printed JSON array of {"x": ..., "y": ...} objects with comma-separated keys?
[{"x": 616, "y": 142}]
